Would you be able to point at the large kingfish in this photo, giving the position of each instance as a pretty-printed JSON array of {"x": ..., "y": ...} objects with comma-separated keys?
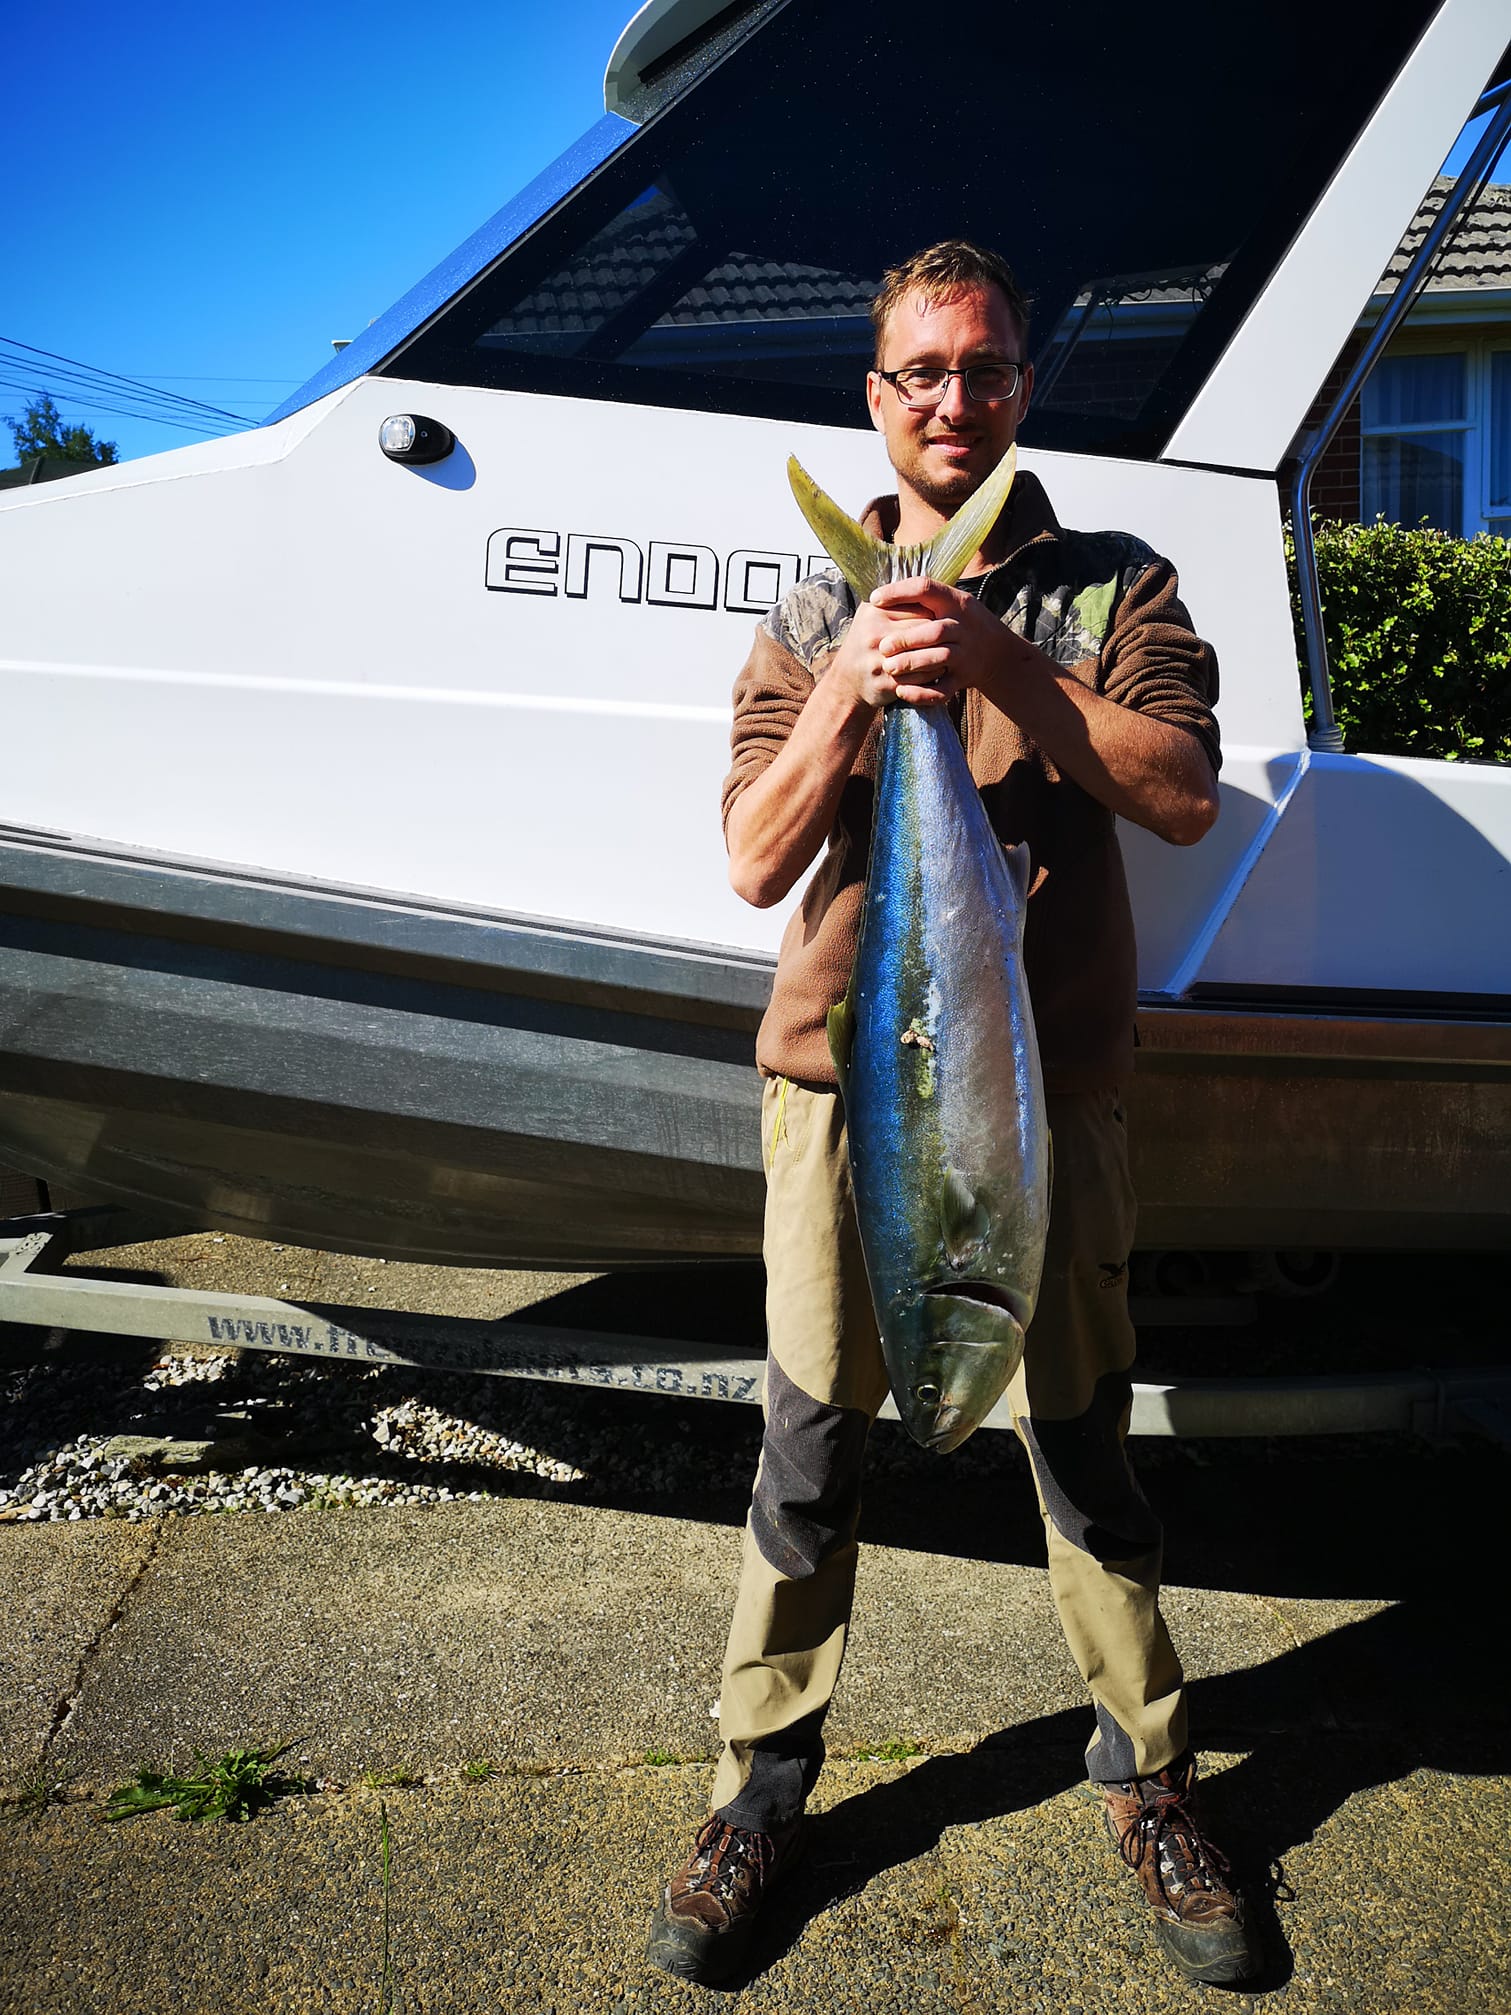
[{"x": 934, "y": 1043}]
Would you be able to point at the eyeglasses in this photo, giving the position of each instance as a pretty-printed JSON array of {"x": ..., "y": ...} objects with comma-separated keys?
[{"x": 924, "y": 384}]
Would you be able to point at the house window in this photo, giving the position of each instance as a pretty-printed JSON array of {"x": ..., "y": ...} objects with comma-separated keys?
[
  {"x": 1498, "y": 503},
  {"x": 1436, "y": 438}
]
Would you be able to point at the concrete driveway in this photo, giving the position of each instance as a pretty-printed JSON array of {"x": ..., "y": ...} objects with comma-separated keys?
[{"x": 519, "y": 1689}]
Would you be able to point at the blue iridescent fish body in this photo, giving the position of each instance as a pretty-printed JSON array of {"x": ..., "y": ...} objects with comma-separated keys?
[{"x": 934, "y": 1043}]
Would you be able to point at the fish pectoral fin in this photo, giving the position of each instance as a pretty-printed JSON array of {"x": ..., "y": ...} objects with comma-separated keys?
[
  {"x": 864, "y": 561},
  {"x": 1020, "y": 867},
  {"x": 964, "y": 1220},
  {"x": 946, "y": 557},
  {"x": 840, "y": 1022}
]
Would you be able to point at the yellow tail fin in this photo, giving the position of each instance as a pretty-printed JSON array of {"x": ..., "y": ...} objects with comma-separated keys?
[{"x": 866, "y": 562}]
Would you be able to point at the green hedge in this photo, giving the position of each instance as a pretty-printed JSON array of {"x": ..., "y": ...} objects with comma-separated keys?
[{"x": 1419, "y": 638}]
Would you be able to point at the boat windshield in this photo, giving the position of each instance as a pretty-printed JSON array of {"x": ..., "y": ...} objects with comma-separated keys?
[{"x": 1142, "y": 171}]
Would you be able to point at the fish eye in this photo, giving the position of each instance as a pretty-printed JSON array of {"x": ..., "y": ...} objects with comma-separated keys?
[{"x": 927, "y": 1395}]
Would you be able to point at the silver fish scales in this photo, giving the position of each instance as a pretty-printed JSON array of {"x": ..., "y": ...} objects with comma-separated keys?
[{"x": 934, "y": 1043}]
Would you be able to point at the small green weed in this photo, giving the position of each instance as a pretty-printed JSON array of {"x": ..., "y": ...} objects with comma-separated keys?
[
  {"x": 658, "y": 1758},
  {"x": 403, "y": 1777},
  {"x": 233, "y": 1788},
  {"x": 479, "y": 1769},
  {"x": 37, "y": 1793},
  {"x": 941, "y": 1925},
  {"x": 385, "y": 1981},
  {"x": 330, "y": 1498},
  {"x": 898, "y": 1750}
]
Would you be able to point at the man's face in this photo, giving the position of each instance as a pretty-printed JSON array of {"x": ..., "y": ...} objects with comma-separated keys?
[{"x": 943, "y": 453}]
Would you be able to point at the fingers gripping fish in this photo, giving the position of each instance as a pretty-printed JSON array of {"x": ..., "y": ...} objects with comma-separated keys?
[{"x": 934, "y": 1043}]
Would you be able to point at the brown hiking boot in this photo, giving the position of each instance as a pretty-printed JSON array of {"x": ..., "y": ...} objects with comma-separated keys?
[
  {"x": 703, "y": 1925},
  {"x": 1198, "y": 1914}
]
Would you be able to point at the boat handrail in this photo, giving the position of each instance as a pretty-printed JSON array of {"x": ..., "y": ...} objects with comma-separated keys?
[{"x": 1324, "y": 732}]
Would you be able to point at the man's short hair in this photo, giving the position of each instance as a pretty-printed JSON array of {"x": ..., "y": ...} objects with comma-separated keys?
[{"x": 943, "y": 269}]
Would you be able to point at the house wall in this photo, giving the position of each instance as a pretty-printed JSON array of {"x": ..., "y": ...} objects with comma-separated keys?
[{"x": 1335, "y": 485}]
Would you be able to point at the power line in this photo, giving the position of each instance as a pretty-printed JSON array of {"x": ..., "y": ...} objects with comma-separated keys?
[
  {"x": 105, "y": 399},
  {"x": 87, "y": 399},
  {"x": 75, "y": 384},
  {"x": 180, "y": 378},
  {"x": 89, "y": 405},
  {"x": 101, "y": 379}
]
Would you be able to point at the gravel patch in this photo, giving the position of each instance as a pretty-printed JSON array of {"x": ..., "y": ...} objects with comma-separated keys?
[
  {"x": 345, "y": 1435},
  {"x": 111, "y": 1428},
  {"x": 139, "y": 1432}
]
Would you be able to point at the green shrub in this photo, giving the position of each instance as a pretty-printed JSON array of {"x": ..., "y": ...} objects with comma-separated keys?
[{"x": 1419, "y": 639}]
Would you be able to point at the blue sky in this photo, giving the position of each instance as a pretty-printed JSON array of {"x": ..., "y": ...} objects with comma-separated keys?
[{"x": 206, "y": 198}]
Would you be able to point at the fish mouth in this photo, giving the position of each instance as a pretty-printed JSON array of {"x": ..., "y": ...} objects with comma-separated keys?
[
  {"x": 990, "y": 1293},
  {"x": 951, "y": 1426}
]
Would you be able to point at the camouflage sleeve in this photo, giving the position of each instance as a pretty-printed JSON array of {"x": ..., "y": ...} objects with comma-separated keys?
[
  {"x": 788, "y": 655},
  {"x": 1153, "y": 661}
]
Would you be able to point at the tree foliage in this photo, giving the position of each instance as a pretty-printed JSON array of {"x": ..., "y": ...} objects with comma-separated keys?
[
  {"x": 40, "y": 431},
  {"x": 1418, "y": 628}
]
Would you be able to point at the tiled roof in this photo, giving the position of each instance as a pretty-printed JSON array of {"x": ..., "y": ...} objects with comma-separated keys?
[
  {"x": 641, "y": 249},
  {"x": 1478, "y": 252},
  {"x": 644, "y": 247}
]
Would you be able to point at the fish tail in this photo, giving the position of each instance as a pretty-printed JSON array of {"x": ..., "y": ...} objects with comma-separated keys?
[
  {"x": 947, "y": 556},
  {"x": 866, "y": 561}
]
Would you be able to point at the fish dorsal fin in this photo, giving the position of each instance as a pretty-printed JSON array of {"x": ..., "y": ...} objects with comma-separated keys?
[
  {"x": 964, "y": 1220},
  {"x": 1019, "y": 867},
  {"x": 866, "y": 561}
]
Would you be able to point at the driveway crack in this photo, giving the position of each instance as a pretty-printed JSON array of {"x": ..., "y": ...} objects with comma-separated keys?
[{"x": 89, "y": 1656}]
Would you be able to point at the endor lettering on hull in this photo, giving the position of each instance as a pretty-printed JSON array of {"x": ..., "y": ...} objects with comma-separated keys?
[{"x": 526, "y": 560}]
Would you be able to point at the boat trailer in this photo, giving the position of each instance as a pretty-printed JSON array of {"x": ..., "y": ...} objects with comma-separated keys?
[{"x": 34, "y": 1291}]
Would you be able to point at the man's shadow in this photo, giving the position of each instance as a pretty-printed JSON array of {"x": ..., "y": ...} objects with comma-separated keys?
[{"x": 1412, "y": 1686}]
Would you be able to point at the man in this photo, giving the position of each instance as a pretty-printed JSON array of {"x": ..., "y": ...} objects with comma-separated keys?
[{"x": 1081, "y": 692}]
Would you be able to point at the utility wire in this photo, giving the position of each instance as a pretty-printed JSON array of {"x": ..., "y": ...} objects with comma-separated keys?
[
  {"x": 226, "y": 378},
  {"x": 186, "y": 424},
  {"x": 102, "y": 379},
  {"x": 76, "y": 384}
]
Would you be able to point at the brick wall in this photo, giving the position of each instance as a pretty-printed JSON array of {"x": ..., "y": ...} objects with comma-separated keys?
[{"x": 1335, "y": 483}]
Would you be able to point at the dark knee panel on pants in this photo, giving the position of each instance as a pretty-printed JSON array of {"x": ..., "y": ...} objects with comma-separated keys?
[
  {"x": 1083, "y": 1475},
  {"x": 807, "y": 1496}
]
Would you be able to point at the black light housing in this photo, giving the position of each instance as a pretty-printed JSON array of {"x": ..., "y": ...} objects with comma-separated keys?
[{"x": 410, "y": 437}]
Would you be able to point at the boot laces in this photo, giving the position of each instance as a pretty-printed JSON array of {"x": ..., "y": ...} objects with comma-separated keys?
[
  {"x": 1184, "y": 1858},
  {"x": 723, "y": 1854}
]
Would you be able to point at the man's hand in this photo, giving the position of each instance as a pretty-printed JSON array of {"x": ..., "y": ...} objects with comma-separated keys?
[
  {"x": 915, "y": 641},
  {"x": 866, "y": 666},
  {"x": 936, "y": 641}
]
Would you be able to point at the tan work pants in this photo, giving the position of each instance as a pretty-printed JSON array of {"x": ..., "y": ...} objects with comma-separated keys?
[{"x": 825, "y": 1380}]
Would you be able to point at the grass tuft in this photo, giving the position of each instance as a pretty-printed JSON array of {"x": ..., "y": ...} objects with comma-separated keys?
[
  {"x": 898, "y": 1750},
  {"x": 402, "y": 1777},
  {"x": 37, "y": 1793},
  {"x": 385, "y": 1978}
]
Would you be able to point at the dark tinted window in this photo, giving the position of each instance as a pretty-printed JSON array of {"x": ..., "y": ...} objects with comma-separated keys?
[{"x": 1142, "y": 171}]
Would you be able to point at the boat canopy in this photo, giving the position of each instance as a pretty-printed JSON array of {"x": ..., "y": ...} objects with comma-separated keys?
[{"x": 1143, "y": 175}]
